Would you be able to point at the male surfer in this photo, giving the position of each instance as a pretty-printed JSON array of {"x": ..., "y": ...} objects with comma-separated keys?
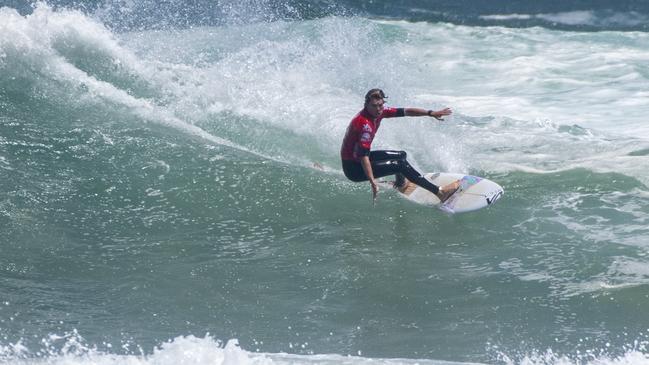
[{"x": 361, "y": 164}]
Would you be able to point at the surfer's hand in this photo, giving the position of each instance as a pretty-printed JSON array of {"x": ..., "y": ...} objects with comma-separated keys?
[
  {"x": 440, "y": 113},
  {"x": 375, "y": 189}
]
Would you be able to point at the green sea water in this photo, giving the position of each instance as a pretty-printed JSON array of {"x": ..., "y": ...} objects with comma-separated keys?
[{"x": 154, "y": 201}]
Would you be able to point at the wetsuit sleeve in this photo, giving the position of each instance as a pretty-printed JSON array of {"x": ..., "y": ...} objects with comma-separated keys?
[
  {"x": 365, "y": 140},
  {"x": 394, "y": 112}
]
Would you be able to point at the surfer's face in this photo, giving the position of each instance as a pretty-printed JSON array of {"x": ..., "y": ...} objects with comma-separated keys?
[{"x": 375, "y": 107}]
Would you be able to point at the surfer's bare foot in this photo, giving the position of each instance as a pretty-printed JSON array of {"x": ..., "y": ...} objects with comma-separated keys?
[
  {"x": 401, "y": 184},
  {"x": 446, "y": 191}
]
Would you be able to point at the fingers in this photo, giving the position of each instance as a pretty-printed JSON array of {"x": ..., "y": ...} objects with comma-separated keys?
[
  {"x": 441, "y": 113},
  {"x": 375, "y": 191},
  {"x": 445, "y": 111}
]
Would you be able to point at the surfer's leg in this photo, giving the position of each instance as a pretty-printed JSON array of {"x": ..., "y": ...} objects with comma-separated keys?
[
  {"x": 382, "y": 155},
  {"x": 385, "y": 163},
  {"x": 385, "y": 155},
  {"x": 395, "y": 163},
  {"x": 384, "y": 166},
  {"x": 413, "y": 175},
  {"x": 354, "y": 171}
]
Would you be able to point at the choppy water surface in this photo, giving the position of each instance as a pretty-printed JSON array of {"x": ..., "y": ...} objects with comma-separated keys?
[{"x": 159, "y": 201}]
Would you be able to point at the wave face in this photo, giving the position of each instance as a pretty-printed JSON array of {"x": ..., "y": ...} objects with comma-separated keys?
[{"x": 166, "y": 190}]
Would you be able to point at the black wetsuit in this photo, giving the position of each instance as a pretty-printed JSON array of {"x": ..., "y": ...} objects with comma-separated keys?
[{"x": 386, "y": 163}]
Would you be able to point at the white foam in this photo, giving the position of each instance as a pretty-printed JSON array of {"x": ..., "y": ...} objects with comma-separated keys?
[
  {"x": 34, "y": 38},
  {"x": 541, "y": 74},
  {"x": 578, "y": 17},
  {"x": 593, "y": 357},
  {"x": 72, "y": 350},
  {"x": 570, "y": 18},
  {"x": 507, "y": 17}
]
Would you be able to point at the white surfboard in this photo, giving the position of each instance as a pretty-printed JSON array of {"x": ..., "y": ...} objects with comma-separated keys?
[{"x": 474, "y": 192}]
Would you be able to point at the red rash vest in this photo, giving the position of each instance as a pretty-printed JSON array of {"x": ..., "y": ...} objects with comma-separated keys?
[{"x": 361, "y": 131}]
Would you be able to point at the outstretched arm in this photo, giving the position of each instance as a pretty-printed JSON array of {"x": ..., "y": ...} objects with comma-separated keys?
[{"x": 437, "y": 114}]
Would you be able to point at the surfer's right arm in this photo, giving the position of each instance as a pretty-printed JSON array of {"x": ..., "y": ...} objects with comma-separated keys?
[{"x": 367, "y": 168}]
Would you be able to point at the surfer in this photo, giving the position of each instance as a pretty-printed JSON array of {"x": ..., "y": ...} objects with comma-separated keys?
[{"x": 361, "y": 164}]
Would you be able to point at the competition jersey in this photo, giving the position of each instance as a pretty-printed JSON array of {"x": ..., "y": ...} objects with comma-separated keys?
[{"x": 361, "y": 131}]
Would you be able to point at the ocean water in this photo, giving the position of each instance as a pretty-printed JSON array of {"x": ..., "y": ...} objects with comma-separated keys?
[{"x": 171, "y": 191}]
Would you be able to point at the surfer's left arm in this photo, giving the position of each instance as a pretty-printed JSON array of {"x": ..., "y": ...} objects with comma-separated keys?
[{"x": 418, "y": 112}]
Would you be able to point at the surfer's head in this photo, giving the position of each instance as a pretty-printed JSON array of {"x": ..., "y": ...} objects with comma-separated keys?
[{"x": 374, "y": 100}]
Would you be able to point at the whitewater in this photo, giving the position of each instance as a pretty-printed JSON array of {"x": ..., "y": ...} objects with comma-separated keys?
[{"x": 174, "y": 194}]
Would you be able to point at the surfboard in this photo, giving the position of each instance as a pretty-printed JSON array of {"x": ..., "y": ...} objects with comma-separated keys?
[{"x": 474, "y": 193}]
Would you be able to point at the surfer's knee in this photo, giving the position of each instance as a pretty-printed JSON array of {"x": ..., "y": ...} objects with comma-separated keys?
[{"x": 402, "y": 163}]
